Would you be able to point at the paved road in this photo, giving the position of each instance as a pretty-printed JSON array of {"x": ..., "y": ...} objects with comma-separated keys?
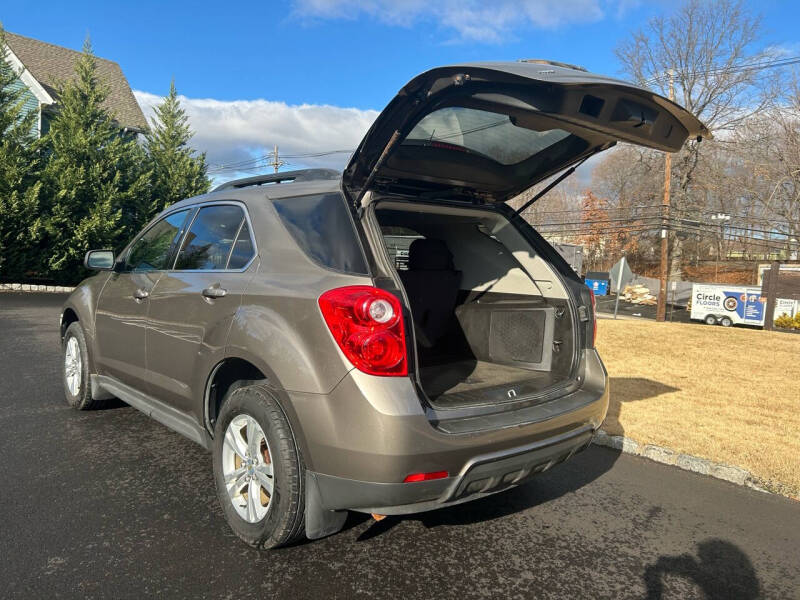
[{"x": 109, "y": 503}]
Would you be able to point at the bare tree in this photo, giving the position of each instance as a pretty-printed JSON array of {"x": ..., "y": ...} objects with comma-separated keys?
[
  {"x": 767, "y": 146},
  {"x": 631, "y": 178},
  {"x": 708, "y": 46},
  {"x": 707, "y": 49}
]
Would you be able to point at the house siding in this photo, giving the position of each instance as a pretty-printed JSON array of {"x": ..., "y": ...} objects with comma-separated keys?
[{"x": 29, "y": 104}]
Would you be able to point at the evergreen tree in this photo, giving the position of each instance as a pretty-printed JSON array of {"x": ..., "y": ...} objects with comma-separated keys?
[
  {"x": 95, "y": 179},
  {"x": 19, "y": 170},
  {"x": 178, "y": 171}
]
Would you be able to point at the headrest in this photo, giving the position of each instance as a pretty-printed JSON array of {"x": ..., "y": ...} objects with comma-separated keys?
[{"x": 429, "y": 255}]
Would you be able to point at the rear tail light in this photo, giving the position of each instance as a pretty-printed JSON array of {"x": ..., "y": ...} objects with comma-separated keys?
[
  {"x": 425, "y": 476},
  {"x": 367, "y": 324},
  {"x": 594, "y": 317}
]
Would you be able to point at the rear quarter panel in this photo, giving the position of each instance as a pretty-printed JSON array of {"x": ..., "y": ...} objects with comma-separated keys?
[{"x": 278, "y": 326}]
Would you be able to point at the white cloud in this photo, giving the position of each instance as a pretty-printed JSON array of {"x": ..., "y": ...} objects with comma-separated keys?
[
  {"x": 241, "y": 130},
  {"x": 785, "y": 50},
  {"x": 476, "y": 20}
]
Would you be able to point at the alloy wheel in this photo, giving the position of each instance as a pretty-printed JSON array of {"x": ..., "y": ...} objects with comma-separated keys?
[
  {"x": 73, "y": 366},
  {"x": 247, "y": 468}
]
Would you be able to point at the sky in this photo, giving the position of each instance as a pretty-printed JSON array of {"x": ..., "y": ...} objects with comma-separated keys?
[{"x": 311, "y": 75}]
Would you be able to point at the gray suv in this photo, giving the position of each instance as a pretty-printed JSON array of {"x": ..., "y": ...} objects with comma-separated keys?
[{"x": 391, "y": 339}]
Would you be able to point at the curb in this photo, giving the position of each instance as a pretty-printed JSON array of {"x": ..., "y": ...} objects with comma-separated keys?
[
  {"x": 620, "y": 317},
  {"x": 687, "y": 462},
  {"x": 24, "y": 287}
]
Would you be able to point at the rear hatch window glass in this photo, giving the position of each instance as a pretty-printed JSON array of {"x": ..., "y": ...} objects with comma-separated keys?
[
  {"x": 489, "y": 134},
  {"x": 323, "y": 228}
]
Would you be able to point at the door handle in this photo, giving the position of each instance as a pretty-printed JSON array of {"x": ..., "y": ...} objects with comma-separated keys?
[
  {"x": 214, "y": 292},
  {"x": 141, "y": 294}
]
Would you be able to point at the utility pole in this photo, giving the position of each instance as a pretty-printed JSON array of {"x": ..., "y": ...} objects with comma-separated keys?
[
  {"x": 276, "y": 164},
  {"x": 771, "y": 279},
  {"x": 719, "y": 217},
  {"x": 661, "y": 309},
  {"x": 619, "y": 284}
]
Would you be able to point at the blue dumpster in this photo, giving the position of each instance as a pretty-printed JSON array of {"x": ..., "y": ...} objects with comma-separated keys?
[{"x": 598, "y": 286}]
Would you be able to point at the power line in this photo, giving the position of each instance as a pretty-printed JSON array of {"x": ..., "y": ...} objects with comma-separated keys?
[
  {"x": 732, "y": 215},
  {"x": 616, "y": 229},
  {"x": 754, "y": 66},
  {"x": 534, "y": 211},
  {"x": 269, "y": 157},
  {"x": 672, "y": 220},
  {"x": 535, "y": 215}
]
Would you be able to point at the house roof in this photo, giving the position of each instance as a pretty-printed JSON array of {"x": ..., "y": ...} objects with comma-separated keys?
[{"x": 50, "y": 64}]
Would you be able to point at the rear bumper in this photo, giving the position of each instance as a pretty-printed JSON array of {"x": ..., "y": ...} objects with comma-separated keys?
[
  {"x": 361, "y": 440},
  {"x": 481, "y": 476}
]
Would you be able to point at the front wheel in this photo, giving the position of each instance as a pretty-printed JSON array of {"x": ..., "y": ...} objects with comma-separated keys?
[
  {"x": 76, "y": 369},
  {"x": 725, "y": 321},
  {"x": 258, "y": 470}
]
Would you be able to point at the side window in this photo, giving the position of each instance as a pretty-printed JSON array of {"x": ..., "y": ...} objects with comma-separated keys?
[
  {"x": 323, "y": 228},
  {"x": 242, "y": 250},
  {"x": 152, "y": 251},
  {"x": 210, "y": 239}
]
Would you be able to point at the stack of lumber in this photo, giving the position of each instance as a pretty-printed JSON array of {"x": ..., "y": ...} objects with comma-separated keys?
[{"x": 638, "y": 294}]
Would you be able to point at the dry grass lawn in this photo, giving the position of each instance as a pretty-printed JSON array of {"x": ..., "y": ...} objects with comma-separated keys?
[{"x": 730, "y": 395}]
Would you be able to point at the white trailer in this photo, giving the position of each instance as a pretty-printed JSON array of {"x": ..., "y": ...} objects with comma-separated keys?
[{"x": 728, "y": 305}]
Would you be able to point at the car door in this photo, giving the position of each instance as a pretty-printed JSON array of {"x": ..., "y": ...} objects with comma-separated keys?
[
  {"x": 192, "y": 305},
  {"x": 124, "y": 302}
]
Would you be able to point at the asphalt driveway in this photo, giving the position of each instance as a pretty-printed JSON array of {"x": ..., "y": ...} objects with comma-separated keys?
[{"x": 111, "y": 504}]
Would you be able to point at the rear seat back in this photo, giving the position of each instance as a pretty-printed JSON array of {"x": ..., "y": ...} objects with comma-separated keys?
[{"x": 432, "y": 285}]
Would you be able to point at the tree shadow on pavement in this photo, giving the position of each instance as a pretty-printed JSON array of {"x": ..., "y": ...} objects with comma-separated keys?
[
  {"x": 720, "y": 570},
  {"x": 569, "y": 476}
]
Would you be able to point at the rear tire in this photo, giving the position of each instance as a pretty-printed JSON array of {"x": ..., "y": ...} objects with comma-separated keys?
[
  {"x": 710, "y": 320},
  {"x": 75, "y": 373},
  {"x": 725, "y": 321},
  {"x": 278, "y": 518}
]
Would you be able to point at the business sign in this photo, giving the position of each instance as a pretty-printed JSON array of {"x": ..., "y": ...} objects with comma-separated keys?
[
  {"x": 742, "y": 304},
  {"x": 786, "y": 306}
]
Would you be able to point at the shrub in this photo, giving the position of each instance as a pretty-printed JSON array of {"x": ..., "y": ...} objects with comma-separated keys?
[{"x": 788, "y": 322}]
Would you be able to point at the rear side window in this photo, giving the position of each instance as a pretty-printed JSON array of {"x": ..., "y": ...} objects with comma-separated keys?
[
  {"x": 243, "y": 249},
  {"x": 210, "y": 240},
  {"x": 322, "y": 226}
]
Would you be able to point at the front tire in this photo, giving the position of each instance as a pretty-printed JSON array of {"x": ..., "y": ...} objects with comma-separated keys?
[
  {"x": 258, "y": 469},
  {"x": 725, "y": 321},
  {"x": 75, "y": 374}
]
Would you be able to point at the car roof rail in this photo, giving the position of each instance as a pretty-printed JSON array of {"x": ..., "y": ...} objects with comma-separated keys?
[{"x": 275, "y": 178}]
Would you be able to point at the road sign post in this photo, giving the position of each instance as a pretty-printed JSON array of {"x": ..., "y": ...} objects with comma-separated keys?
[
  {"x": 619, "y": 284},
  {"x": 622, "y": 274}
]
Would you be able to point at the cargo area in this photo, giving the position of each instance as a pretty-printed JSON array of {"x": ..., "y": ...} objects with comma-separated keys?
[{"x": 492, "y": 322}]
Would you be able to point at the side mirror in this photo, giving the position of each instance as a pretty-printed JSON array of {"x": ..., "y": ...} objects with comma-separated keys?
[{"x": 99, "y": 260}]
